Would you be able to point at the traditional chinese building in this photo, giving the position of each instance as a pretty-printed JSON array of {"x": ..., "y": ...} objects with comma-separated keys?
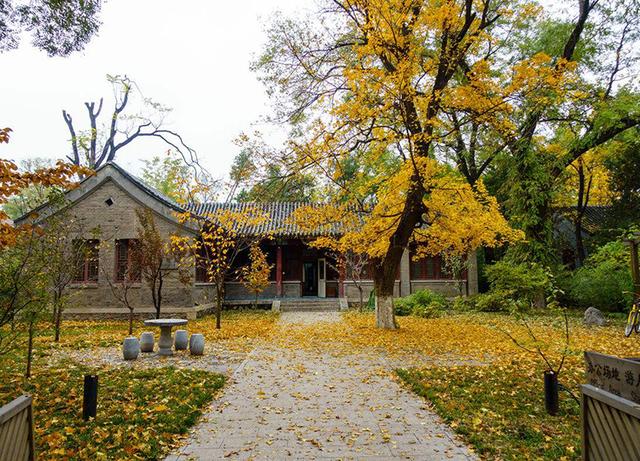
[{"x": 106, "y": 205}]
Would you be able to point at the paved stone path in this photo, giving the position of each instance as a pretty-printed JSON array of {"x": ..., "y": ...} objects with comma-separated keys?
[{"x": 285, "y": 404}]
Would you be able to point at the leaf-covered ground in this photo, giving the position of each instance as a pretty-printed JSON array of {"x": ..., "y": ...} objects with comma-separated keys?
[
  {"x": 143, "y": 412},
  {"x": 485, "y": 387},
  {"x": 499, "y": 408},
  {"x": 489, "y": 390}
]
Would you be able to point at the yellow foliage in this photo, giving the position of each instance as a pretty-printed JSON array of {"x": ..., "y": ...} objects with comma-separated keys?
[{"x": 458, "y": 218}]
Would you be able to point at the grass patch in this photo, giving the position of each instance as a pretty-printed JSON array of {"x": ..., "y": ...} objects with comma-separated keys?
[
  {"x": 141, "y": 414},
  {"x": 498, "y": 407},
  {"x": 500, "y": 413}
]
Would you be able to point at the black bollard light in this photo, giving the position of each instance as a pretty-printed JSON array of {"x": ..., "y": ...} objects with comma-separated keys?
[
  {"x": 551, "y": 392},
  {"x": 90, "y": 401}
]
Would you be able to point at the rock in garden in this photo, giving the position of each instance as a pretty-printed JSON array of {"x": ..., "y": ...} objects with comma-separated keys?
[{"x": 593, "y": 316}]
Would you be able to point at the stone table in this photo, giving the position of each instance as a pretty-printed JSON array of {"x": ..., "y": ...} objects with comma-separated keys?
[{"x": 165, "y": 342}]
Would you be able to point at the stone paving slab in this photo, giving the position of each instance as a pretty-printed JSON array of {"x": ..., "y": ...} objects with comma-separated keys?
[
  {"x": 286, "y": 404},
  {"x": 309, "y": 317}
]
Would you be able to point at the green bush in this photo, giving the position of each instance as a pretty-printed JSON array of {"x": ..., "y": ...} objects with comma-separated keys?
[
  {"x": 427, "y": 312},
  {"x": 496, "y": 301},
  {"x": 423, "y": 303},
  {"x": 604, "y": 279},
  {"x": 525, "y": 282},
  {"x": 464, "y": 303}
]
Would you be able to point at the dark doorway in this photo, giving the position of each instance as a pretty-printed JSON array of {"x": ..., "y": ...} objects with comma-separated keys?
[{"x": 310, "y": 284}]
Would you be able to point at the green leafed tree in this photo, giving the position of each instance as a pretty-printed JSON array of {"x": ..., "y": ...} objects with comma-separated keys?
[
  {"x": 58, "y": 27},
  {"x": 169, "y": 174}
]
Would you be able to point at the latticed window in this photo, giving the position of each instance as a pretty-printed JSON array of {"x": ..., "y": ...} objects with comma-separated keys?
[
  {"x": 127, "y": 260},
  {"x": 427, "y": 268},
  {"x": 87, "y": 253},
  {"x": 201, "y": 266}
]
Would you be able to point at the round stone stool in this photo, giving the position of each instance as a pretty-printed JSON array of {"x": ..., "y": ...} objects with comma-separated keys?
[
  {"x": 146, "y": 342},
  {"x": 196, "y": 344},
  {"x": 130, "y": 348},
  {"x": 181, "y": 340}
]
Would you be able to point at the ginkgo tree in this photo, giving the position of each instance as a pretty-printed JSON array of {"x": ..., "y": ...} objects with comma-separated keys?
[
  {"x": 256, "y": 275},
  {"x": 223, "y": 234},
  {"x": 457, "y": 219},
  {"x": 376, "y": 89}
]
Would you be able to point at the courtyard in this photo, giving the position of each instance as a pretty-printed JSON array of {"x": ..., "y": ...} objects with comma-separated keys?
[{"x": 305, "y": 385}]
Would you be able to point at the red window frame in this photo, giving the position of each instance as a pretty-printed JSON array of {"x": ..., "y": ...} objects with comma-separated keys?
[
  {"x": 125, "y": 261},
  {"x": 201, "y": 268},
  {"x": 427, "y": 268},
  {"x": 88, "y": 262}
]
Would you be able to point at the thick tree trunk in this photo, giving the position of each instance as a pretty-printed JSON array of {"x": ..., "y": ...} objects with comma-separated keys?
[
  {"x": 384, "y": 282},
  {"x": 385, "y": 317},
  {"x": 361, "y": 297}
]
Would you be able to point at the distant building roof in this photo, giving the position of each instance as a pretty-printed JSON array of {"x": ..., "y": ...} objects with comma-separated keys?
[{"x": 594, "y": 219}]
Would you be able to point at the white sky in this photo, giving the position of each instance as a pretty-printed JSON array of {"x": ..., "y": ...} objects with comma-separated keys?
[{"x": 191, "y": 55}]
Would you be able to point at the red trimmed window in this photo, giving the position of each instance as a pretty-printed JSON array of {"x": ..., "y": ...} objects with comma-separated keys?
[
  {"x": 201, "y": 267},
  {"x": 88, "y": 261},
  {"x": 428, "y": 268},
  {"x": 126, "y": 260}
]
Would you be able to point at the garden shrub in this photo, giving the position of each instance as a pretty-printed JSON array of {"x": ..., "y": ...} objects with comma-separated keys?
[
  {"x": 524, "y": 282},
  {"x": 427, "y": 312},
  {"x": 604, "y": 279},
  {"x": 496, "y": 301},
  {"x": 464, "y": 303},
  {"x": 423, "y": 303}
]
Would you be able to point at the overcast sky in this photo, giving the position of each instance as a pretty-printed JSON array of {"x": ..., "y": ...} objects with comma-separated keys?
[{"x": 193, "y": 56}]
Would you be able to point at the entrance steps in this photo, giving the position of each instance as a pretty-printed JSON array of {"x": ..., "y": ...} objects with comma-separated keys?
[{"x": 309, "y": 305}]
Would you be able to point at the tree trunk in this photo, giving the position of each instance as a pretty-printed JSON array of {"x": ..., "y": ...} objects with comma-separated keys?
[
  {"x": 130, "y": 321},
  {"x": 583, "y": 198},
  {"x": 218, "y": 307},
  {"x": 154, "y": 298},
  {"x": 30, "y": 348},
  {"x": 159, "y": 297},
  {"x": 58, "y": 323},
  {"x": 580, "y": 251},
  {"x": 384, "y": 282},
  {"x": 361, "y": 297},
  {"x": 54, "y": 314},
  {"x": 385, "y": 317}
]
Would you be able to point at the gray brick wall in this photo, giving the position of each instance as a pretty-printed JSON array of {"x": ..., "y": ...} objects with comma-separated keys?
[{"x": 119, "y": 221}]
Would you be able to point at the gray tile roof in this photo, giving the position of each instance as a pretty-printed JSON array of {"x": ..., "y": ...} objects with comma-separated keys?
[
  {"x": 146, "y": 187},
  {"x": 278, "y": 222},
  {"x": 594, "y": 219},
  {"x": 279, "y": 215}
]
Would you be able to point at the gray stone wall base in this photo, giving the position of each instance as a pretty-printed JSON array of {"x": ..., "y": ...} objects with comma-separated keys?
[{"x": 143, "y": 313}]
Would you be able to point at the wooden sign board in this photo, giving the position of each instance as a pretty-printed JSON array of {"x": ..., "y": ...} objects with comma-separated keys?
[{"x": 613, "y": 374}]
